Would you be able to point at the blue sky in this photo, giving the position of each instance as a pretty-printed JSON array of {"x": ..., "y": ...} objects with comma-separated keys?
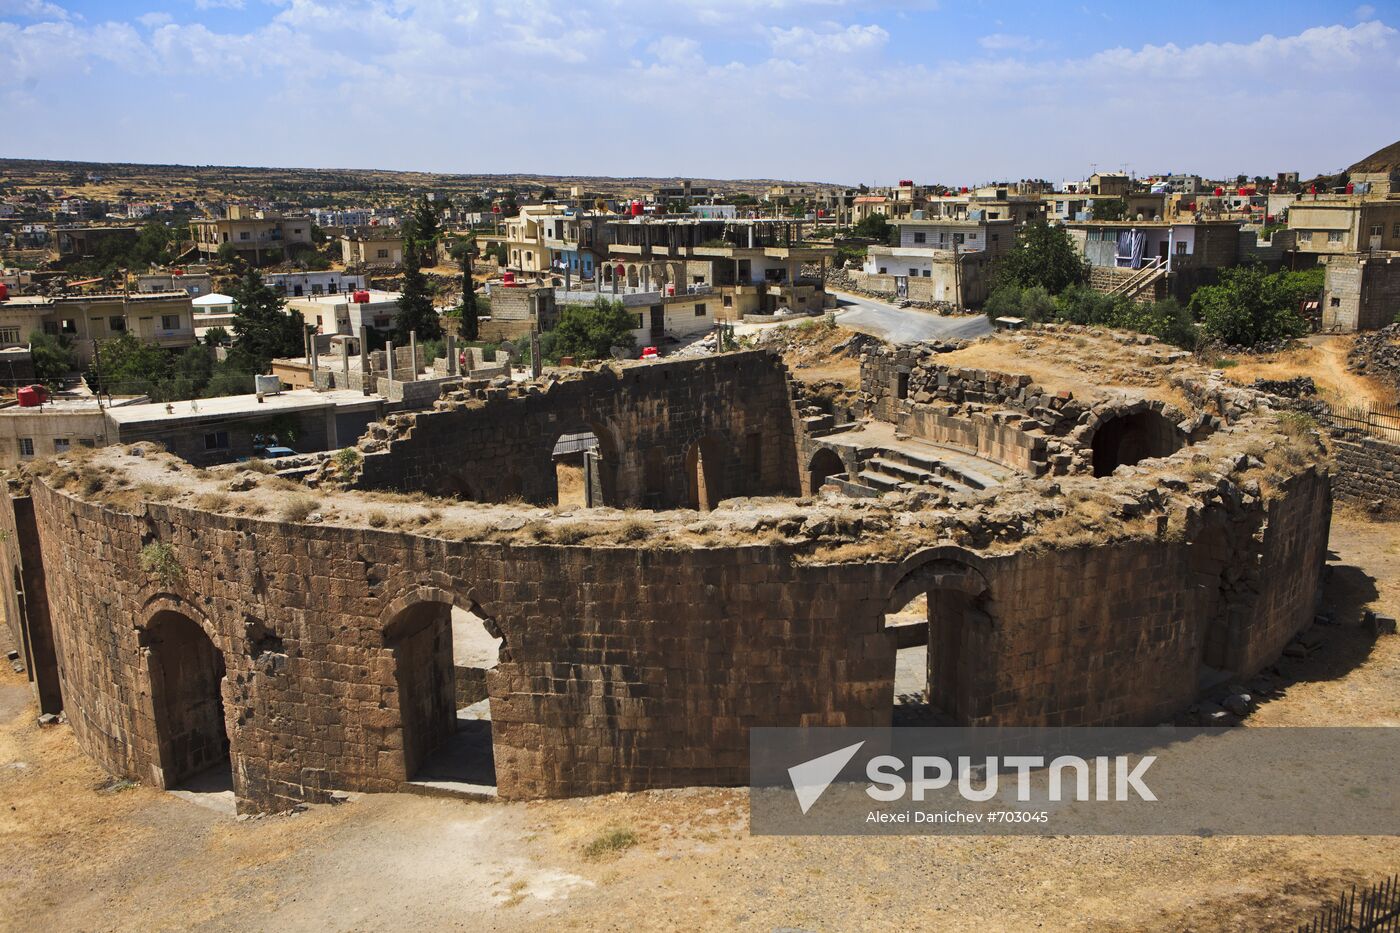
[{"x": 955, "y": 91}]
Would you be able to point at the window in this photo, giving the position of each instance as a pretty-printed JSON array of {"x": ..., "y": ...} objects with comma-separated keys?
[
  {"x": 913, "y": 271},
  {"x": 1334, "y": 236},
  {"x": 382, "y": 254},
  {"x": 884, "y": 271},
  {"x": 87, "y": 442},
  {"x": 9, "y": 335},
  {"x": 637, "y": 322},
  {"x": 51, "y": 328},
  {"x": 116, "y": 324},
  {"x": 245, "y": 235},
  {"x": 296, "y": 229},
  {"x": 216, "y": 440},
  {"x": 729, "y": 301},
  {"x": 26, "y": 447},
  {"x": 1336, "y": 302},
  {"x": 958, "y": 237},
  {"x": 70, "y": 327},
  {"x": 318, "y": 320},
  {"x": 919, "y": 238},
  {"x": 1181, "y": 247},
  {"x": 699, "y": 310},
  {"x": 1396, "y": 232},
  {"x": 1377, "y": 229},
  {"x": 927, "y": 273},
  {"x": 170, "y": 322},
  {"x": 60, "y": 445},
  {"x": 1304, "y": 236}
]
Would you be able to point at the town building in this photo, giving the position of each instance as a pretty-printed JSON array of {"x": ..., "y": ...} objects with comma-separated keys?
[
  {"x": 328, "y": 282},
  {"x": 1149, "y": 260},
  {"x": 191, "y": 281},
  {"x": 1361, "y": 291},
  {"x": 940, "y": 262},
  {"x": 371, "y": 248},
  {"x": 343, "y": 314},
  {"x": 84, "y": 242},
  {"x": 250, "y": 232},
  {"x": 1336, "y": 224},
  {"x": 162, "y": 319}
]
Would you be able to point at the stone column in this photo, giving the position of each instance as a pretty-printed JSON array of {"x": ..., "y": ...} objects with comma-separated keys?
[
  {"x": 389, "y": 360},
  {"x": 412, "y": 356},
  {"x": 364, "y": 360},
  {"x": 450, "y": 342}
]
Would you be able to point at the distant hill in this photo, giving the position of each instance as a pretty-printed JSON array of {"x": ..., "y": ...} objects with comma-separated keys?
[{"x": 1382, "y": 160}]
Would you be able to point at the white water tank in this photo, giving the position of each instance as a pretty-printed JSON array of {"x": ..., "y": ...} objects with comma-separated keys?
[{"x": 267, "y": 385}]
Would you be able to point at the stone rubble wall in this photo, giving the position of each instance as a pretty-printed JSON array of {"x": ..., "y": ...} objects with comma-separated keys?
[{"x": 1368, "y": 471}]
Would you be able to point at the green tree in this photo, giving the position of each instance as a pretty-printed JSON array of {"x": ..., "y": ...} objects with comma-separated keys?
[
  {"x": 217, "y": 337},
  {"x": 1250, "y": 307},
  {"x": 874, "y": 227},
  {"x": 1110, "y": 209},
  {"x": 470, "y": 322},
  {"x": 416, "y": 311},
  {"x": 1042, "y": 255},
  {"x": 590, "y": 332},
  {"x": 52, "y": 358},
  {"x": 262, "y": 327},
  {"x": 424, "y": 225}
]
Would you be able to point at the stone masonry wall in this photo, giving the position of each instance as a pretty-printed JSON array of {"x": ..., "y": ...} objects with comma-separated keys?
[
  {"x": 603, "y": 683},
  {"x": 1368, "y": 471},
  {"x": 495, "y": 444}
]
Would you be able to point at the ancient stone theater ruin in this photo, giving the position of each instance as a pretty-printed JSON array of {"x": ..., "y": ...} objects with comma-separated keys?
[{"x": 624, "y": 569}]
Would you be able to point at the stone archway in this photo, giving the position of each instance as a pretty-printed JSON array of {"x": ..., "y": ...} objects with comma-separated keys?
[
  {"x": 940, "y": 599},
  {"x": 185, "y": 674},
  {"x": 825, "y": 463},
  {"x": 1133, "y": 436},
  {"x": 444, "y": 651},
  {"x": 705, "y": 468}
]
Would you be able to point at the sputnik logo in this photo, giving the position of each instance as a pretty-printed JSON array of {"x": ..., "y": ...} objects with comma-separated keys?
[{"x": 811, "y": 778}]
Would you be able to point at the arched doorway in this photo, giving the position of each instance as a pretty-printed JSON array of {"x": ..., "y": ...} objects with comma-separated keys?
[
  {"x": 443, "y": 655},
  {"x": 934, "y": 618},
  {"x": 585, "y": 465},
  {"x": 1129, "y": 438},
  {"x": 186, "y": 675},
  {"x": 825, "y": 463},
  {"x": 705, "y": 464}
]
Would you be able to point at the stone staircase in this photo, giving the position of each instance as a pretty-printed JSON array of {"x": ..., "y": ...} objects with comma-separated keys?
[{"x": 903, "y": 470}]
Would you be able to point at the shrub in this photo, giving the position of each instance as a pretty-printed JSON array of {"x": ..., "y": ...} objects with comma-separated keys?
[
  {"x": 298, "y": 508},
  {"x": 611, "y": 841},
  {"x": 158, "y": 560},
  {"x": 378, "y": 519},
  {"x": 347, "y": 459}
]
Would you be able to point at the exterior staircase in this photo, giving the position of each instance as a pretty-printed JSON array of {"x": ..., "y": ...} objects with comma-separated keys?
[
  {"x": 897, "y": 469},
  {"x": 1132, "y": 286}
]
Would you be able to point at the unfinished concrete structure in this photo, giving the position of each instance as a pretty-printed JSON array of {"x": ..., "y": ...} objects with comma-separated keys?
[{"x": 747, "y": 542}]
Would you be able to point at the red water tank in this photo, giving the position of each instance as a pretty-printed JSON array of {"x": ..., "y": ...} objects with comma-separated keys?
[
  {"x": 1351, "y": 187},
  {"x": 1312, "y": 189},
  {"x": 360, "y": 297},
  {"x": 636, "y": 209},
  {"x": 30, "y": 396},
  {"x": 670, "y": 290},
  {"x": 905, "y": 183},
  {"x": 1219, "y": 191},
  {"x": 4, "y": 292},
  {"x": 508, "y": 279}
]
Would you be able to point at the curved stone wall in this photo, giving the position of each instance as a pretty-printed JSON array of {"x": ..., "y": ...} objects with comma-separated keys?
[{"x": 628, "y": 666}]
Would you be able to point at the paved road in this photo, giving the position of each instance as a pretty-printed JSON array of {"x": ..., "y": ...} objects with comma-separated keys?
[{"x": 906, "y": 325}]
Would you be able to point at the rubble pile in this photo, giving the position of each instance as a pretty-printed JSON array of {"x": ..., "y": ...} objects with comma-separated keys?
[{"x": 1377, "y": 353}]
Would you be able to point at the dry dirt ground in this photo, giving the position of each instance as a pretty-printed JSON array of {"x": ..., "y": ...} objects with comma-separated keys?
[
  {"x": 1324, "y": 358},
  {"x": 83, "y": 853}
]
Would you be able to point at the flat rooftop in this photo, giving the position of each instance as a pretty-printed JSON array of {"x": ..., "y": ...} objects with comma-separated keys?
[{"x": 235, "y": 405}]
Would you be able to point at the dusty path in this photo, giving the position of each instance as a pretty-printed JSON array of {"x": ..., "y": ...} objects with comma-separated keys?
[
  {"x": 77, "y": 856},
  {"x": 1324, "y": 358}
]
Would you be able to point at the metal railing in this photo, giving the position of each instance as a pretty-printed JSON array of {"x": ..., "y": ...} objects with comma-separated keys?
[
  {"x": 1372, "y": 418},
  {"x": 1374, "y": 910},
  {"x": 1139, "y": 280}
]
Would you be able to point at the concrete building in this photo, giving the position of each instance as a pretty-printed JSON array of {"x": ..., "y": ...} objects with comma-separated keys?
[
  {"x": 250, "y": 232},
  {"x": 163, "y": 319},
  {"x": 83, "y": 242},
  {"x": 371, "y": 248},
  {"x": 328, "y": 282},
  {"x": 1361, "y": 291},
  {"x": 55, "y": 427},
  {"x": 342, "y": 314},
  {"x": 1331, "y": 224},
  {"x": 192, "y": 282},
  {"x": 1148, "y": 260},
  {"x": 220, "y": 430}
]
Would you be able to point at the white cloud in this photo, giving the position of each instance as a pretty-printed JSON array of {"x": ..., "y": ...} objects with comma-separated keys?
[
  {"x": 1002, "y": 42},
  {"x": 1364, "y": 12},
  {"x": 438, "y": 71},
  {"x": 32, "y": 9},
  {"x": 801, "y": 42},
  {"x": 218, "y": 4}
]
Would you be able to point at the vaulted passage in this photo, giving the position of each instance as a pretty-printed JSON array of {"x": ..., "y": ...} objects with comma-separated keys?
[
  {"x": 186, "y": 674},
  {"x": 825, "y": 463},
  {"x": 1128, "y": 439},
  {"x": 442, "y": 656}
]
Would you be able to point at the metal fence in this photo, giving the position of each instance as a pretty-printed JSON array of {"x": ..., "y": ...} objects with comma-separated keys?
[
  {"x": 1374, "y": 910},
  {"x": 1382, "y": 421}
]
